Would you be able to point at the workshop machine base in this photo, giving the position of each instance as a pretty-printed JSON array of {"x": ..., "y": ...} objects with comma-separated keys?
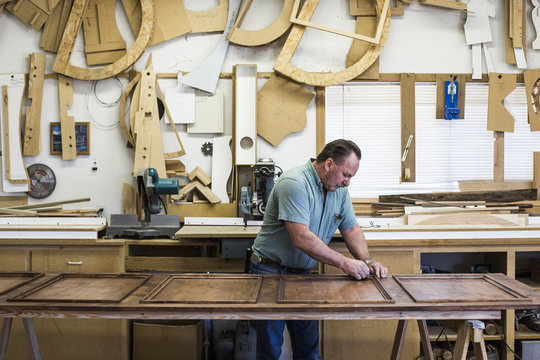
[{"x": 128, "y": 225}]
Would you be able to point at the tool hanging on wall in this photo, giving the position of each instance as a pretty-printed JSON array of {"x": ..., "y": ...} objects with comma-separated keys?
[{"x": 451, "y": 106}]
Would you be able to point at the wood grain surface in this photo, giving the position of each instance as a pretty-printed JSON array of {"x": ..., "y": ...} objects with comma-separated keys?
[{"x": 12, "y": 280}]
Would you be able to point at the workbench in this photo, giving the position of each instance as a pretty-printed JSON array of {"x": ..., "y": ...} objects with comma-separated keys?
[{"x": 250, "y": 296}]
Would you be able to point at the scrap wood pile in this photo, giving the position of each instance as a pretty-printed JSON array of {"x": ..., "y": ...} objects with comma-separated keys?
[
  {"x": 472, "y": 207},
  {"x": 50, "y": 209}
]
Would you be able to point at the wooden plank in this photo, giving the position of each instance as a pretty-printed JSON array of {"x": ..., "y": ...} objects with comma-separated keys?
[
  {"x": 408, "y": 128},
  {"x": 464, "y": 218},
  {"x": 330, "y": 289},
  {"x": 12, "y": 159},
  {"x": 13, "y": 200},
  {"x": 494, "y": 185},
  {"x": 498, "y": 156},
  {"x": 281, "y": 108},
  {"x": 517, "y": 23},
  {"x": 448, "y": 4},
  {"x": 441, "y": 91},
  {"x": 32, "y": 129},
  {"x": 207, "y": 193},
  {"x": 265, "y": 35},
  {"x": 499, "y": 118},
  {"x": 213, "y": 289},
  {"x": 320, "y": 115},
  {"x": 488, "y": 196},
  {"x": 532, "y": 94},
  {"x": 84, "y": 287},
  {"x": 67, "y": 123},
  {"x": 12, "y": 280},
  {"x": 103, "y": 42},
  {"x": 129, "y": 199}
]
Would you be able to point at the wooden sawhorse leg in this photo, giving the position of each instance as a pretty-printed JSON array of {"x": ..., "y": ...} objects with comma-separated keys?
[
  {"x": 31, "y": 338},
  {"x": 470, "y": 330},
  {"x": 400, "y": 338}
]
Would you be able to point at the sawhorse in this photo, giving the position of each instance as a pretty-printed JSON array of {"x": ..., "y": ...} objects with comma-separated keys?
[
  {"x": 468, "y": 330},
  {"x": 31, "y": 338}
]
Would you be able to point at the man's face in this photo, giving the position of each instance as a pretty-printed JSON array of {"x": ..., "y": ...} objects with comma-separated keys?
[{"x": 340, "y": 175}]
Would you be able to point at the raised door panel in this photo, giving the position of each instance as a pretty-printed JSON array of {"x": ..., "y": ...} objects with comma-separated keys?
[
  {"x": 85, "y": 259},
  {"x": 13, "y": 260},
  {"x": 345, "y": 339}
]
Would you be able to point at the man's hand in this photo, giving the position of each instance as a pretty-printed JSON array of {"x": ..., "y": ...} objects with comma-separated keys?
[{"x": 360, "y": 270}]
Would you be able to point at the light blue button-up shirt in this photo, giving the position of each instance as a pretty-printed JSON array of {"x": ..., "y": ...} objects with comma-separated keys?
[{"x": 298, "y": 197}]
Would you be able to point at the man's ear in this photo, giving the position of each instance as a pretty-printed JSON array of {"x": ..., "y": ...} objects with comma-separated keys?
[{"x": 327, "y": 164}]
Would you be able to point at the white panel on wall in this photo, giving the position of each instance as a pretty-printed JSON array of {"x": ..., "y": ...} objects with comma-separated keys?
[{"x": 447, "y": 151}]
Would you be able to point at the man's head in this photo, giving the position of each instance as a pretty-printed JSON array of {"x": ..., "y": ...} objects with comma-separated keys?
[{"x": 338, "y": 163}]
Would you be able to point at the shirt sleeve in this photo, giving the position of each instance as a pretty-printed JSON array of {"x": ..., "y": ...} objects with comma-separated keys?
[
  {"x": 293, "y": 202},
  {"x": 347, "y": 211}
]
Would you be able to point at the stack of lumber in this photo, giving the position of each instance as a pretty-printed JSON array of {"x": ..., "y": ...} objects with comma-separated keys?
[
  {"x": 505, "y": 208},
  {"x": 49, "y": 209},
  {"x": 371, "y": 207}
]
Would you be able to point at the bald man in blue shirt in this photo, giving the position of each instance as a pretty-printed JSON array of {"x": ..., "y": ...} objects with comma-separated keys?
[{"x": 305, "y": 208}]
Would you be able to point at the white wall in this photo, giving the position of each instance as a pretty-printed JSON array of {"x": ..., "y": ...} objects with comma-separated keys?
[{"x": 424, "y": 40}]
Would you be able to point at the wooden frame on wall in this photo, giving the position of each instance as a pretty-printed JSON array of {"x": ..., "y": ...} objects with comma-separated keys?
[{"x": 82, "y": 138}]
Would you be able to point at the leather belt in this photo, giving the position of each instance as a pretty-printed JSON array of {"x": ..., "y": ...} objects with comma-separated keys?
[{"x": 260, "y": 260}]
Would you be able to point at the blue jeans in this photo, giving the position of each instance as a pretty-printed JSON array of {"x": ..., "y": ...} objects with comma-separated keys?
[{"x": 304, "y": 333}]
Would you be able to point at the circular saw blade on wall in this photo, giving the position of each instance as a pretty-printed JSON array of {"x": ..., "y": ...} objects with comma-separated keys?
[{"x": 42, "y": 181}]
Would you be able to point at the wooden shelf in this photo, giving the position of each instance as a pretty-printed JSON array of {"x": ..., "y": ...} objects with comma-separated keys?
[
  {"x": 451, "y": 335},
  {"x": 526, "y": 333}
]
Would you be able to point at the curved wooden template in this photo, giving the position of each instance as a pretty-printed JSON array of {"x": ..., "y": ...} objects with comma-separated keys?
[
  {"x": 210, "y": 20},
  {"x": 62, "y": 64},
  {"x": 262, "y": 36},
  {"x": 121, "y": 108},
  {"x": 284, "y": 66}
]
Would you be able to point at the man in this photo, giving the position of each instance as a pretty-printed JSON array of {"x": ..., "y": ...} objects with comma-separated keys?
[{"x": 305, "y": 208}]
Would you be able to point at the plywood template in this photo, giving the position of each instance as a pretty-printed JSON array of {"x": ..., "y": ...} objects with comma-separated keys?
[
  {"x": 245, "y": 114},
  {"x": 363, "y": 8},
  {"x": 365, "y": 25},
  {"x": 103, "y": 43},
  {"x": 146, "y": 128},
  {"x": 32, "y": 12},
  {"x": 81, "y": 287},
  {"x": 180, "y": 101},
  {"x": 32, "y": 127},
  {"x": 375, "y": 39},
  {"x": 281, "y": 108},
  {"x": 12, "y": 280},
  {"x": 499, "y": 118},
  {"x": 205, "y": 77},
  {"x": 67, "y": 123},
  {"x": 170, "y": 19},
  {"x": 284, "y": 66},
  {"x": 214, "y": 289},
  {"x": 221, "y": 166},
  {"x": 441, "y": 91},
  {"x": 408, "y": 128},
  {"x": 15, "y": 177},
  {"x": 441, "y": 288},
  {"x": 62, "y": 63},
  {"x": 210, "y": 20},
  {"x": 209, "y": 114},
  {"x": 330, "y": 289},
  {"x": 54, "y": 26},
  {"x": 531, "y": 79},
  {"x": 535, "y": 15},
  {"x": 262, "y": 36}
]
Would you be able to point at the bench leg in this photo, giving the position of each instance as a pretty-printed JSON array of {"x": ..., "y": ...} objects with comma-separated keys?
[
  {"x": 31, "y": 338},
  {"x": 4, "y": 337},
  {"x": 426, "y": 344},
  {"x": 399, "y": 340}
]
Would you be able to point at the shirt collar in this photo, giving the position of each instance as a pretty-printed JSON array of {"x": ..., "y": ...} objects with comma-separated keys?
[{"x": 316, "y": 177}]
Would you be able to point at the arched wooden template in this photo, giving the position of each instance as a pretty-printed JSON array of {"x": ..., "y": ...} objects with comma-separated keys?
[
  {"x": 208, "y": 21},
  {"x": 62, "y": 64},
  {"x": 261, "y": 36},
  {"x": 284, "y": 66}
]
